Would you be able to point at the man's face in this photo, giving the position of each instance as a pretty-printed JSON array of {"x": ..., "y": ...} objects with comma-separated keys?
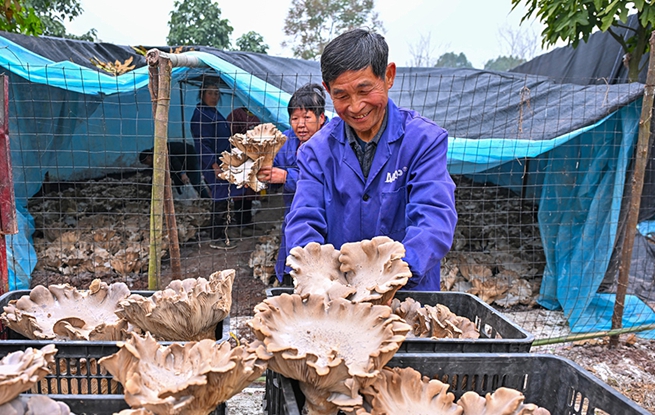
[
  {"x": 360, "y": 98},
  {"x": 305, "y": 123}
]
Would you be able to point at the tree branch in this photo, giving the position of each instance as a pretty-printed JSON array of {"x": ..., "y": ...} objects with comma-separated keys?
[{"x": 619, "y": 39}]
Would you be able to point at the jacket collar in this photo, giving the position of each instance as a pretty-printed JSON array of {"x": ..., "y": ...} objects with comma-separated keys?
[{"x": 394, "y": 131}]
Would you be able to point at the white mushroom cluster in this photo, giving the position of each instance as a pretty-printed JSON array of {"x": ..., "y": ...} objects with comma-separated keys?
[
  {"x": 406, "y": 391},
  {"x": 190, "y": 379},
  {"x": 333, "y": 348},
  {"x": 101, "y": 227},
  {"x": 19, "y": 372},
  {"x": 62, "y": 312},
  {"x": 185, "y": 310},
  {"x": 366, "y": 271},
  {"x": 436, "y": 322}
]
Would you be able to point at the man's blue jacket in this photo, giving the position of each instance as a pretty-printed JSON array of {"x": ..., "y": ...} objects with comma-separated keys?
[{"x": 408, "y": 196}]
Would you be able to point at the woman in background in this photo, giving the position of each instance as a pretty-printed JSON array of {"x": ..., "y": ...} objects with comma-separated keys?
[{"x": 211, "y": 135}]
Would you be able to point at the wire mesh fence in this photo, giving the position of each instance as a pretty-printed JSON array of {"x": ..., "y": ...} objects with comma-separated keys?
[{"x": 541, "y": 171}]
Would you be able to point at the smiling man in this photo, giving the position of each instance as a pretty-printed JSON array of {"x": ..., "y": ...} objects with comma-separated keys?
[{"x": 377, "y": 169}]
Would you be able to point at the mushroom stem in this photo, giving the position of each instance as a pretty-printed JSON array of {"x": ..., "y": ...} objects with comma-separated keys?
[{"x": 316, "y": 402}]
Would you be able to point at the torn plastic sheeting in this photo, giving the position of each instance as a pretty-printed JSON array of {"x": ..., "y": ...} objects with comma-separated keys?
[{"x": 579, "y": 210}]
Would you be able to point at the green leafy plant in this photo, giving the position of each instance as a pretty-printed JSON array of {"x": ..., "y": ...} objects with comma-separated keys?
[{"x": 575, "y": 20}]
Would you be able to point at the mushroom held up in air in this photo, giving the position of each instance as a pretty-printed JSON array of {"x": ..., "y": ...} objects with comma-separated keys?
[
  {"x": 191, "y": 378},
  {"x": 61, "y": 312},
  {"x": 333, "y": 348},
  {"x": 21, "y": 370},
  {"x": 406, "y": 391},
  {"x": 250, "y": 152},
  {"x": 370, "y": 270},
  {"x": 34, "y": 405},
  {"x": 186, "y": 310}
]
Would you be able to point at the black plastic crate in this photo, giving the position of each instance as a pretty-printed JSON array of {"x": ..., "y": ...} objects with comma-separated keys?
[
  {"x": 102, "y": 404},
  {"x": 552, "y": 382},
  {"x": 76, "y": 363},
  {"x": 497, "y": 333}
]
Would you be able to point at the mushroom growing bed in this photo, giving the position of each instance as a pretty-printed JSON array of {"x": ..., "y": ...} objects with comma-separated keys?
[{"x": 101, "y": 228}]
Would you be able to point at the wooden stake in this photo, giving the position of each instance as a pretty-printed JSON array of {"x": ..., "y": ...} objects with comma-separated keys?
[{"x": 159, "y": 85}]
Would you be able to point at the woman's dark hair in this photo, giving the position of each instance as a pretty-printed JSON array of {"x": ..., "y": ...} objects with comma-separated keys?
[
  {"x": 354, "y": 50},
  {"x": 310, "y": 97},
  {"x": 206, "y": 83}
]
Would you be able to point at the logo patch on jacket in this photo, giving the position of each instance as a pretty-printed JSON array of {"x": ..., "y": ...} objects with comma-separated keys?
[{"x": 391, "y": 177}]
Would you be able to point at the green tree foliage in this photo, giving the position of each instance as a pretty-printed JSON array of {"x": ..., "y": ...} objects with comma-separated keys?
[
  {"x": 251, "y": 42},
  {"x": 198, "y": 22},
  {"x": 313, "y": 23},
  {"x": 453, "y": 60},
  {"x": 574, "y": 20},
  {"x": 503, "y": 63},
  {"x": 41, "y": 17},
  {"x": 17, "y": 18}
]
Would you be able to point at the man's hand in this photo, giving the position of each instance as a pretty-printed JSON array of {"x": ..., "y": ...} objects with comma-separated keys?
[
  {"x": 272, "y": 175},
  {"x": 185, "y": 179}
]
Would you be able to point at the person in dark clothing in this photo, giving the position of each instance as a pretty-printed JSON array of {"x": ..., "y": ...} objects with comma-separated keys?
[
  {"x": 242, "y": 120},
  {"x": 183, "y": 166},
  {"x": 211, "y": 136}
]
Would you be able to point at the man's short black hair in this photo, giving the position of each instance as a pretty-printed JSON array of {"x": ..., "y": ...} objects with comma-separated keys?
[
  {"x": 144, "y": 155},
  {"x": 354, "y": 50},
  {"x": 310, "y": 97}
]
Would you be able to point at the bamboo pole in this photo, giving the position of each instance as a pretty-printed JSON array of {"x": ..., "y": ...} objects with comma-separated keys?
[
  {"x": 641, "y": 160},
  {"x": 161, "y": 200},
  {"x": 587, "y": 336}
]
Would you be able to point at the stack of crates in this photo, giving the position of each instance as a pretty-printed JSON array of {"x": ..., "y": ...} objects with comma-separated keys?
[
  {"x": 499, "y": 358},
  {"x": 78, "y": 379}
]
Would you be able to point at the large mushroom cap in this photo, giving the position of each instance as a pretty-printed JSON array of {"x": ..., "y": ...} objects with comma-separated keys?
[
  {"x": 405, "y": 391},
  {"x": 186, "y": 310},
  {"x": 21, "y": 370},
  {"x": 34, "y": 405},
  {"x": 62, "y": 312},
  {"x": 370, "y": 270},
  {"x": 333, "y": 347},
  {"x": 191, "y": 379},
  {"x": 316, "y": 270}
]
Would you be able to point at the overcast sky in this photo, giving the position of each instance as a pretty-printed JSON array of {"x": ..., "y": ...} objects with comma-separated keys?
[{"x": 468, "y": 26}]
